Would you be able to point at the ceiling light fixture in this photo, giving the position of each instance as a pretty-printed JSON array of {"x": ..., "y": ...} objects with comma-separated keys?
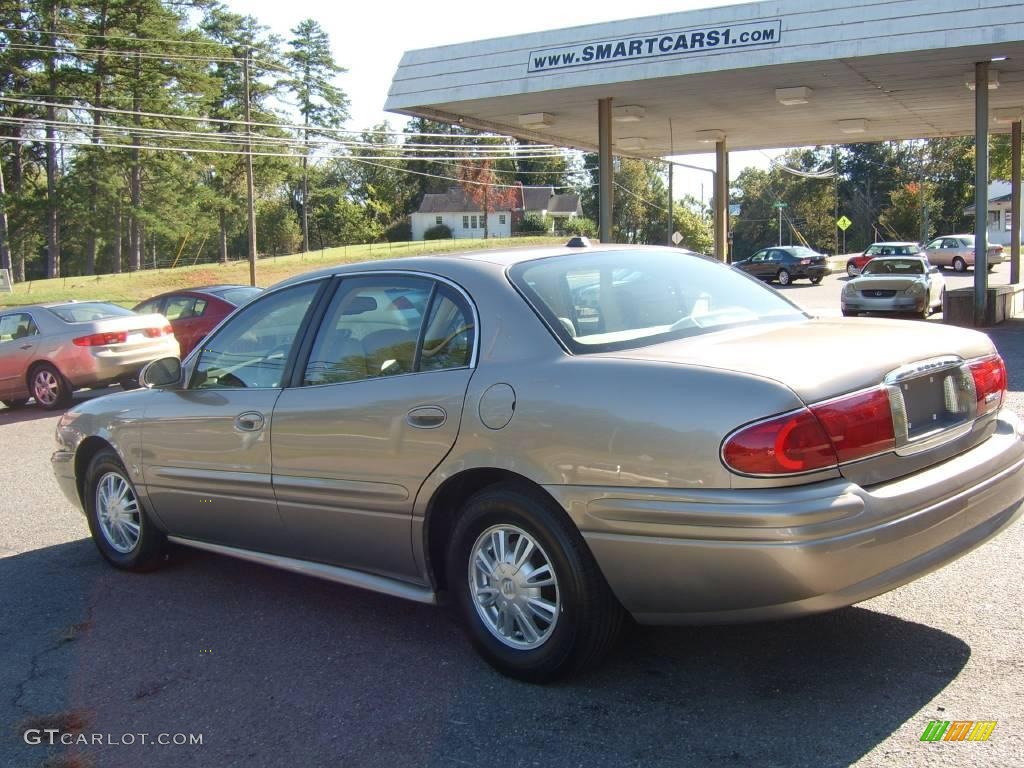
[
  {"x": 855, "y": 125},
  {"x": 710, "y": 136},
  {"x": 536, "y": 120},
  {"x": 629, "y": 143},
  {"x": 801, "y": 94},
  {"x": 629, "y": 113},
  {"x": 993, "y": 79},
  {"x": 1007, "y": 115}
]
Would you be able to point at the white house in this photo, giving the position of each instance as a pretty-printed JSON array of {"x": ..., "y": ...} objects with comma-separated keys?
[
  {"x": 998, "y": 213},
  {"x": 456, "y": 211}
]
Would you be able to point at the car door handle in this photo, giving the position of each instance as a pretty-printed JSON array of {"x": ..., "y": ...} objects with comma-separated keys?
[
  {"x": 426, "y": 417},
  {"x": 250, "y": 421},
  {"x": 27, "y": 346}
]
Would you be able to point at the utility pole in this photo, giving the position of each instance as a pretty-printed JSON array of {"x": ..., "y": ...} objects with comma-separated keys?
[
  {"x": 835, "y": 207},
  {"x": 671, "y": 227},
  {"x": 248, "y": 171}
]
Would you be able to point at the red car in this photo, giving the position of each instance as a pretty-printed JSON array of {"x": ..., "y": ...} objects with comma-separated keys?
[
  {"x": 855, "y": 265},
  {"x": 195, "y": 312}
]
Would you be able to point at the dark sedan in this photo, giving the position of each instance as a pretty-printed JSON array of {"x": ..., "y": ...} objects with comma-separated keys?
[
  {"x": 195, "y": 312},
  {"x": 786, "y": 264}
]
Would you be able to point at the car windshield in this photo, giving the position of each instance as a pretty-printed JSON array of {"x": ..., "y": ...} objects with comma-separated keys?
[
  {"x": 87, "y": 312},
  {"x": 894, "y": 267},
  {"x": 239, "y": 296},
  {"x": 610, "y": 300}
]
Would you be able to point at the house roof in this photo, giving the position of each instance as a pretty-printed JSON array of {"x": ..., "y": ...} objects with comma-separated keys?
[{"x": 455, "y": 200}]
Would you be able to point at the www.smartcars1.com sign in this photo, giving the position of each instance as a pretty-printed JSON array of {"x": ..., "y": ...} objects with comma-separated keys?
[{"x": 670, "y": 43}]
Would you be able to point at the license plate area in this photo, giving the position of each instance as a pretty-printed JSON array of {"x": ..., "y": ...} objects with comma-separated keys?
[{"x": 932, "y": 402}]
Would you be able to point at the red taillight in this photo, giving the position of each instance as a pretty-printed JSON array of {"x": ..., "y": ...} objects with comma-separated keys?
[
  {"x": 157, "y": 332},
  {"x": 101, "y": 339},
  {"x": 786, "y": 445},
  {"x": 989, "y": 383},
  {"x": 858, "y": 425},
  {"x": 820, "y": 437}
]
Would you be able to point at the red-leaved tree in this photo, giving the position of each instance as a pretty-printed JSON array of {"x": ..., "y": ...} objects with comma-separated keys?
[{"x": 482, "y": 189}]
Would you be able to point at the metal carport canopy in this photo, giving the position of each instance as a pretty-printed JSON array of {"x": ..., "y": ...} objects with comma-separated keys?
[{"x": 900, "y": 66}]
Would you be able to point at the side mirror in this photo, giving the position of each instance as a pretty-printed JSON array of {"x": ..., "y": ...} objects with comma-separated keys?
[
  {"x": 164, "y": 372},
  {"x": 933, "y": 270}
]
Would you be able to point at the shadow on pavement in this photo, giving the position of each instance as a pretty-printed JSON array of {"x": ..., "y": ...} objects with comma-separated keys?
[
  {"x": 32, "y": 412},
  {"x": 271, "y": 667}
]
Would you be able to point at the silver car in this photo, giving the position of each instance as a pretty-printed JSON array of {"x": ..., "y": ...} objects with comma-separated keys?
[
  {"x": 551, "y": 447},
  {"x": 49, "y": 350},
  {"x": 957, "y": 251},
  {"x": 907, "y": 284}
]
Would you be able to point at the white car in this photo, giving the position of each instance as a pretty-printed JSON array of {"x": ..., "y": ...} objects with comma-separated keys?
[{"x": 895, "y": 284}]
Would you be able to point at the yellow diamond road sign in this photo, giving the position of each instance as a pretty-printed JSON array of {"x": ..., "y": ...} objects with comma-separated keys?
[{"x": 843, "y": 223}]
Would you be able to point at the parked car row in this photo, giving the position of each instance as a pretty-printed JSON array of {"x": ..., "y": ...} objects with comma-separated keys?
[
  {"x": 953, "y": 251},
  {"x": 47, "y": 351}
]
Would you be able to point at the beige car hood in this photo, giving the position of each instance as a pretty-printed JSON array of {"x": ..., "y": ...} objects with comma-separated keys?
[
  {"x": 885, "y": 282},
  {"x": 819, "y": 358}
]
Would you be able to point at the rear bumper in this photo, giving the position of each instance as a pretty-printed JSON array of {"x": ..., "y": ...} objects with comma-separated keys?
[
  {"x": 90, "y": 367},
  {"x": 688, "y": 557}
]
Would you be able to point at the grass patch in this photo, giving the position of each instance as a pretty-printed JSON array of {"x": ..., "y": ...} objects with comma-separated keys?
[{"x": 129, "y": 288}]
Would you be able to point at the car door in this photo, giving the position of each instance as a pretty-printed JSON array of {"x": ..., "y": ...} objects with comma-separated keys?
[
  {"x": 18, "y": 340},
  {"x": 755, "y": 266},
  {"x": 376, "y": 408},
  {"x": 932, "y": 251},
  {"x": 206, "y": 445}
]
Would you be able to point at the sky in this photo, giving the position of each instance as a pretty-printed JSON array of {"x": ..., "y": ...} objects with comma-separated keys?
[{"x": 369, "y": 40}]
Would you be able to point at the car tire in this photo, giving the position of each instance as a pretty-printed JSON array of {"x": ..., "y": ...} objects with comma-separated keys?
[
  {"x": 784, "y": 277},
  {"x": 959, "y": 265},
  {"x": 120, "y": 526},
  {"x": 848, "y": 313},
  {"x": 815, "y": 280},
  {"x": 15, "y": 403},
  {"x": 512, "y": 528},
  {"x": 49, "y": 387},
  {"x": 851, "y": 269}
]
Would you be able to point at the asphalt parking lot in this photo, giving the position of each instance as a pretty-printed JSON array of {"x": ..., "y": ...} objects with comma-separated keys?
[{"x": 271, "y": 668}]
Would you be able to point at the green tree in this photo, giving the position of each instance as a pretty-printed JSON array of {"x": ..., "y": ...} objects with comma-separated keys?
[{"x": 321, "y": 104}]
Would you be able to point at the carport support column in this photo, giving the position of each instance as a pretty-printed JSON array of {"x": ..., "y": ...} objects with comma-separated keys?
[
  {"x": 721, "y": 200},
  {"x": 980, "y": 191},
  {"x": 1015, "y": 204},
  {"x": 605, "y": 170}
]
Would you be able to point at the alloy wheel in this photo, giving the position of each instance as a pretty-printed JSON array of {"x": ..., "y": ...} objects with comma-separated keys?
[
  {"x": 117, "y": 511},
  {"x": 513, "y": 587},
  {"x": 46, "y": 387}
]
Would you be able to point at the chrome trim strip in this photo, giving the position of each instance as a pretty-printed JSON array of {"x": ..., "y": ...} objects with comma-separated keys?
[{"x": 333, "y": 573}]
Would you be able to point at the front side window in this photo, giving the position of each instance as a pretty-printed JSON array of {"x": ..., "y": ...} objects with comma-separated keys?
[
  {"x": 609, "y": 300},
  {"x": 180, "y": 308},
  {"x": 386, "y": 325},
  {"x": 252, "y": 349},
  {"x": 17, "y": 326},
  {"x": 150, "y": 307},
  {"x": 874, "y": 250}
]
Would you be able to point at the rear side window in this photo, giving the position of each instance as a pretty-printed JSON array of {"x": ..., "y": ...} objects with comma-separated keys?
[
  {"x": 388, "y": 325},
  {"x": 87, "y": 312}
]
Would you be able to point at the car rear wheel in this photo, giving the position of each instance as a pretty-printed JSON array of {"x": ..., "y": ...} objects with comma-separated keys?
[
  {"x": 50, "y": 389},
  {"x": 815, "y": 280},
  {"x": 851, "y": 269},
  {"x": 16, "y": 403},
  {"x": 848, "y": 313},
  {"x": 784, "y": 277},
  {"x": 527, "y": 590},
  {"x": 959, "y": 265},
  {"x": 120, "y": 528}
]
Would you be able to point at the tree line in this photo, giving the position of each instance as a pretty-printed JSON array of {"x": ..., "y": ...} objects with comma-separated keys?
[{"x": 123, "y": 145}]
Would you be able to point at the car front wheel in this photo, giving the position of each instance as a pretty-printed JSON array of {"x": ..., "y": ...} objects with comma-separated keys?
[
  {"x": 527, "y": 590},
  {"x": 784, "y": 277},
  {"x": 851, "y": 269},
  {"x": 120, "y": 528},
  {"x": 50, "y": 389}
]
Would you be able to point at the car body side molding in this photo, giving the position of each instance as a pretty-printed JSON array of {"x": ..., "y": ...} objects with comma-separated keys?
[{"x": 346, "y": 576}]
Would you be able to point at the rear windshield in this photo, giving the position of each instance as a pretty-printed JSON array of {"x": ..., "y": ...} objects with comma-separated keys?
[
  {"x": 609, "y": 300},
  {"x": 86, "y": 312},
  {"x": 894, "y": 267},
  {"x": 239, "y": 296}
]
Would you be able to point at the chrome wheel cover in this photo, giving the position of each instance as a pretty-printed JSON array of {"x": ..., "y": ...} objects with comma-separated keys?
[
  {"x": 45, "y": 387},
  {"x": 117, "y": 512},
  {"x": 514, "y": 587}
]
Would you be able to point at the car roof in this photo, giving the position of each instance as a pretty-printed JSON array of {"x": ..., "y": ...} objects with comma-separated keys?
[
  {"x": 896, "y": 242},
  {"x": 895, "y": 256},
  {"x": 501, "y": 258},
  {"x": 52, "y": 304}
]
